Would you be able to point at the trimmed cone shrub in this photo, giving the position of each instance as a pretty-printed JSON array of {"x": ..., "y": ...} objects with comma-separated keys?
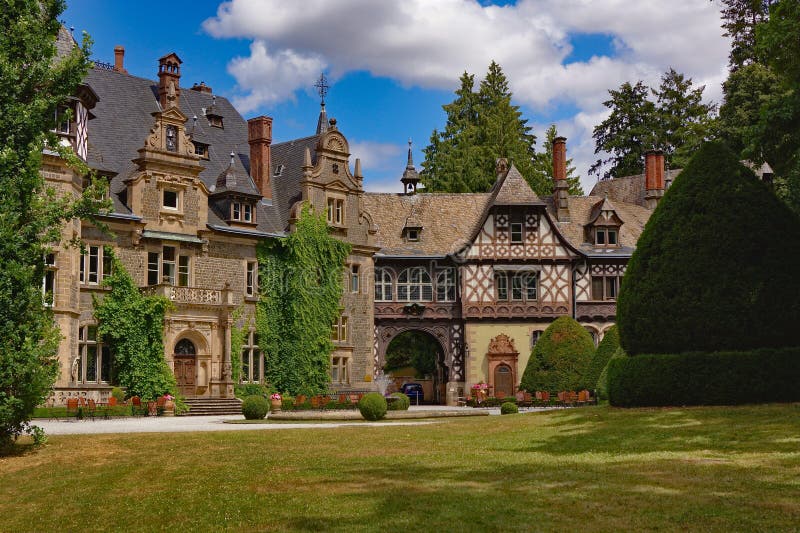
[
  {"x": 607, "y": 348},
  {"x": 721, "y": 378},
  {"x": 255, "y": 407},
  {"x": 560, "y": 359},
  {"x": 402, "y": 403},
  {"x": 602, "y": 381},
  {"x": 712, "y": 270},
  {"x": 372, "y": 406},
  {"x": 509, "y": 408}
]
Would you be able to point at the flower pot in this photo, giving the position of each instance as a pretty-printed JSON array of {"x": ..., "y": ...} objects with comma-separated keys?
[
  {"x": 169, "y": 408},
  {"x": 276, "y": 405},
  {"x": 152, "y": 408}
]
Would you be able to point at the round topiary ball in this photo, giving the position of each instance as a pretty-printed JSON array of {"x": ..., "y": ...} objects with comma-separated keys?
[
  {"x": 509, "y": 408},
  {"x": 372, "y": 406},
  {"x": 402, "y": 402},
  {"x": 255, "y": 407}
]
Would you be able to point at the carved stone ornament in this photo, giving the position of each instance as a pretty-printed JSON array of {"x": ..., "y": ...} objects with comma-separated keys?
[
  {"x": 502, "y": 344},
  {"x": 154, "y": 138}
]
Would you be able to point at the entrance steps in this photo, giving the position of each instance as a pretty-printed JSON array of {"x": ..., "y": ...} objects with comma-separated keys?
[{"x": 213, "y": 406}]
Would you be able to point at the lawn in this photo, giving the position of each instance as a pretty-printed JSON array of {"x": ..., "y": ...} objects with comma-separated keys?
[{"x": 593, "y": 468}]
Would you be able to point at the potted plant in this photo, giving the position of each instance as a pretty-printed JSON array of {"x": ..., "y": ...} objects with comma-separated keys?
[
  {"x": 275, "y": 402},
  {"x": 169, "y": 405}
]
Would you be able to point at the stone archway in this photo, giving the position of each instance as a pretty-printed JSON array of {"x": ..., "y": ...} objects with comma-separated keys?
[
  {"x": 190, "y": 363},
  {"x": 502, "y": 358}
]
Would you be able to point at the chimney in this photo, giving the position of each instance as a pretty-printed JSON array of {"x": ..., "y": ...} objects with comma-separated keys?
[
  {"x": 259, "y": 136},
  {"x": 119, "y": 59},
  {"x": 653, "y": 177},
  {"x": 560, "y": 187},
  {"x": 169, "y": 77},
  {"x": 201, "y": 87}
]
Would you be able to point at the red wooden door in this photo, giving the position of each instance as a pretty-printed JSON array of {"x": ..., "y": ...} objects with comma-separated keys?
[
  {"x": 503, "y": 380},
  {"x": 185, "y": 374}
]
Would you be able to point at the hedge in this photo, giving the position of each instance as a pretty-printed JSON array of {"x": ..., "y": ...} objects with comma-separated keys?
[
  {"x": 255, "y": 408},
  {"x": 560, "y": 359},
  {"x": 372, "y": 406},
  {"x": 695, "y": 378},
  {"x": 607, "y": 348},
  {"x": 602, "y": 381}
]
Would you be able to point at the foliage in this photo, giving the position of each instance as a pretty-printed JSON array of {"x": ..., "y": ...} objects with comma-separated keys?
[
  {"x": 710, "y": 272},
  {"x": 251, "y": 389},
  {"x": 372, "y": 406},
  {"x": 481, "y": 127},
  {"x": 413, "y": 349},
  {"x": 33, "y": 82},
  {"x": 402, "y": 403},
  {"x": 605, "y": 350},
  {"x": 509, "y": 408},
  {"x": 740, "y": 20},
  {"x": 745, "y": 90},
  {"x": 560, "y": 358},
  {"x": 238, "y": 336},
  {"x": 118, "y": 394},
  {"x": 697, "y": 378},
  {"x": 132, "y": 324},
  {"x": 543, "y": 168},
  {"x": 255, "y": 407},
  {"x": 301, "y": 285},
  {"x": 602, "y": 381}
]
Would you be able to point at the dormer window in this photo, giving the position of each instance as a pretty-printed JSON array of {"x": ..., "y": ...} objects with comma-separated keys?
[
  {"x": 412, "y": 235},
  {"x": 214, "y": 120},
  {"x": 242, "y": 212},
  {"x": 278, "y": 170},
  {"x": 606, "y": 236},
  {"x": 172, "y": 138},
  {"x": 170, "y": 199},
  {"x": 63, "y": 122},
  {"x": 201, "y": 149}
]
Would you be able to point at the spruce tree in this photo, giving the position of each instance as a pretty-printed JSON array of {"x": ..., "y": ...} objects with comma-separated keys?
[
  {"x": 740, "y": 19},
  {"x": 542, "y": 178}
]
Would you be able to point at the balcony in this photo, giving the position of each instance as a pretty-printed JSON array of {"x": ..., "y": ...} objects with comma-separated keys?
[
  {"x": 192, "y": 295},
  {"x": 596, "y": 310}
]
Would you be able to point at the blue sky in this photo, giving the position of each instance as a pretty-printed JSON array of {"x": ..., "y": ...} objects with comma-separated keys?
[{"x": 392, "y": 65}]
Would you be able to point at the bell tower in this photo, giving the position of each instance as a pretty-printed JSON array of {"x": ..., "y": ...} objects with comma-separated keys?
[{"x": 169, "y": 77}]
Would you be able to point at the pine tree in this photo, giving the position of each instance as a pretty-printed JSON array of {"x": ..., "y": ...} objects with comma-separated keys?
[
  {"x": 741, "y": 17},
  {"x": 542, "y": 179},
  {"x": 32, "y": 84}
]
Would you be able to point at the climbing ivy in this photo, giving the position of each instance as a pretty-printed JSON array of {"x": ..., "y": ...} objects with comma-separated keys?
[
  {"x": 133, "y": 325},
  {"x": 301, "y": 280},
  {"x": 238, "y": 334}
]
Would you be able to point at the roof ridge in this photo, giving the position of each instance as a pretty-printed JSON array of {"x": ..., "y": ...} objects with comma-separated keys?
[{"x": 295, "y": 140}]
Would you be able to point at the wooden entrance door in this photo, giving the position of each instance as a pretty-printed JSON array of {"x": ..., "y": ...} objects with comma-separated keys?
[
  {"x": 503, "y": 380},
  {"x": 185, "y": 362}
]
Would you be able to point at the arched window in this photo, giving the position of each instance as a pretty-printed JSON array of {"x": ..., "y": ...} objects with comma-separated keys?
[
  {"x": 383, "y": 285},
  {"x": 185, "y": 347},
  {"x": 414, "y": 285},
  {"x": 446, "y": 285}
]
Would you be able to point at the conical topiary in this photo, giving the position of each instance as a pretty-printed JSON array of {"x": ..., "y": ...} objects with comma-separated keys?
[
  {"x": 605, "y": 350},
  {"x": 560, "y": 359},
  {"x": 602, "y": 381},
  {"x": 716, "y": 266}
]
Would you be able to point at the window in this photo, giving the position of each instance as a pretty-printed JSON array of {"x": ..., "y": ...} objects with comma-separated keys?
[
  {"x": 516, "y": 233},
  {"x": 606, "y": 236},
  {"x": 183, "y": 271},
  {"x": 605, "y": 287},
  {"x": 236, "y": 211},
  {"x": 242, "y": 211},
  {"x": 251, "y": 278},
  {"x": 252, "y": 367},
  {"x": 414, "y": 285},
  {"x": 172, "y": 138},
  {"x": 201, "y": 149},
  {"x": 152, "y": 268},
  {"x": 95, "y": 265},
  {"x": 383, "y": 285},
  {"x": 168, "y": 265},
  {"x": 339, "y": 330},
  {"x": 49, "y": 280},
  {"x": 63, "y": 122},
  {"x": 169, "y": 268},
  {"x": 446, "y": 285},
  {"x": 339, "y": 372},
  {"x": 600, "y": 237},
  {"x": 524, "y": 286},
  {"x": 412, "y": 235},
  {"x": 612, "y": 237},
  {"x": 336, "y": 211},
  {"x": 593, "y": 333},
  {"x": 93, "y": 364},
  {"x": 247, "y": 213},
  {"x": 170, "y": 199},
  {"x": 535, "y": 338},
  {"x": 355, "y": 277}
]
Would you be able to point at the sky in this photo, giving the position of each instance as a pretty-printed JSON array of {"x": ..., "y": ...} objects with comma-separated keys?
[{"x": 391, "y": 65}]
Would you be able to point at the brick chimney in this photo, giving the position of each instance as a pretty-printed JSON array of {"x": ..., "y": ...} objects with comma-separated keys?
[
  {"x": 560, "y": 186},
  {"x": 201, "y": 88},
  {"x": 653, "y": 177},
  {"x": 119, "y": 59},
  {"x": 259, "y": 136},
  {"x": 169, "y": 77}
]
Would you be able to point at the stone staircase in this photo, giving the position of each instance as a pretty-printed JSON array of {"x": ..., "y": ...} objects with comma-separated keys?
[{"x": 213, "y": 406}]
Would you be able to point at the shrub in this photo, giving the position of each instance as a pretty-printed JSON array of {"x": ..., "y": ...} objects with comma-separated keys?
[
  {"x": 721, "y": 378},
  {"x": 509, "y": 408},
  {"x": 119, "y": 394},
  {"x": 602, "y": 381},
  {"x": 710, "y": 271},
  {"x": 607, "y": 348},
  {"x": 372, "y": 406},
  {"x": 251, "y": 389},
  {"x": 402, "y": 403},
  {"x": 560, "y": 358},
  {"x": 255, "y": 407}
]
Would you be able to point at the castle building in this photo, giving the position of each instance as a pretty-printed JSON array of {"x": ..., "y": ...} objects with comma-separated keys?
[{"x": 195, "y": 187}]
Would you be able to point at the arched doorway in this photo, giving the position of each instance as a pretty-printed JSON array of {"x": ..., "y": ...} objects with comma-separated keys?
[
  {"x": 185, "y": 364},
  {"x": 503, "y": 380},
  {"x": 416, "y": 356}
]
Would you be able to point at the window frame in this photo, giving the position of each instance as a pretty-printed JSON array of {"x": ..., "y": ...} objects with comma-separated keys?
[
  {"x": 384, "y": 281},
  {"x": 252, "y": 359},
  {"x": 517, "y": 286},
  {"x": 417, "y": 279},
  {"x": 355, "y": 279},
  {"x": 446, "y": 285},
  {"x": 49, "y": 279},
  {"x": 251, "y": 279},
  {"x": 177, "y": 193},
  {"x": 340, "y": 369},
  {"x": 91, "y": 348},
  {"x": 516, "y": 227},
  {"x": 339, "y": 333},
  {"x": 607, "y": 284}
]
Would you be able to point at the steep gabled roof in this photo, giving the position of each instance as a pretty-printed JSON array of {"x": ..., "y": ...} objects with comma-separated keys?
[
  {"x": 629, "y": 189},
  {"x": 512, "y": 189},
  {"x": 287, "y": 172}
]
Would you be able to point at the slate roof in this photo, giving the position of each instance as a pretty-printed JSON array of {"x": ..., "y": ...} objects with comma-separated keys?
[
  {"x": 630, "y": 189},
  {"x": 512, "y": 189},
  {"x": 288, "y": 157}
]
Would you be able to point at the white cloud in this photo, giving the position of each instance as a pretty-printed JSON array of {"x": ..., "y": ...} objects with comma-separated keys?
[
  {"x": 375, "y": 155},
  {"x": 430, "y": 43}
]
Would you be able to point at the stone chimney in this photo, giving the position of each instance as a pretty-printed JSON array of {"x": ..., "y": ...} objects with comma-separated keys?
[
  {"x": 653, "y": 177},
  {"x": 169, "y": 77},
  {"x": 560, "y": 186},
  {"x": 201, "y": 88},
  {"x": 259, "y": 136},
  {"x": 119, "y": 59}
]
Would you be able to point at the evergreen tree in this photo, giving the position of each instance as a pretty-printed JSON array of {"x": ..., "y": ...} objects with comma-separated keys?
[
  {"x": 627, "y": 133},
  {"x": 481, "y": 127},
  {"x": 33, "y": 82},
  {"x": 745, "y": 90},
  {"x": 542, "y": 179},
  {"x": 740, "y": 19}
]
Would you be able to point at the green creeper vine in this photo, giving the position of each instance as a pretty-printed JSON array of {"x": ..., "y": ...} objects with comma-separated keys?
[
  {"x": 133, "y": 325},
  {"x": 301, "y": 285},
  {"x": 238, "y": 334}
]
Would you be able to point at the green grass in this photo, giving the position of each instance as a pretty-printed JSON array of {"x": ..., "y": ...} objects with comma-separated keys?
[{"x": 595, "y": 468}]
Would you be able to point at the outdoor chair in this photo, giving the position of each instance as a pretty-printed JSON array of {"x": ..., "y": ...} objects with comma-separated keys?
[
  {"x": 527, "y": 398},
  {"x": 91, "y": 407},
  {"x": 72, "y": 407},
  {"x": 342, "y": 399},
  {"x": 300, "y": 399},
  {"x": 136, "y": 406},
  {"x": 315, "y": 402}
]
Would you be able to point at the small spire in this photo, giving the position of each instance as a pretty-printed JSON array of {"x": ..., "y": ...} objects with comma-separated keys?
[
  {"x": 357, "y": 172},
  {"x": 410, "y": 177},
  {"x": 307, "y": 158},
  {"x": 322, "y": 89},
  {"x": 322, "y": 121},
  {"x": 410, "y": 160},
  {"x": 232, "y": 158}
]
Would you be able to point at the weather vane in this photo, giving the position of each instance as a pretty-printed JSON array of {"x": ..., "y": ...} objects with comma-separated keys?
[{"x": 322, "y": 87}]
